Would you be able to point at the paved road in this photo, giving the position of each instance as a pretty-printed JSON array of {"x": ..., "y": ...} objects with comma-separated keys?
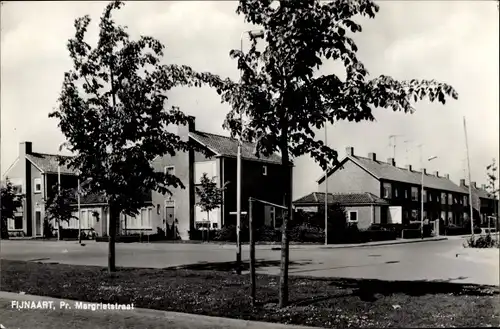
[
  {"x": 419, "y": 261},
  {"x": 58, "y": 317}
]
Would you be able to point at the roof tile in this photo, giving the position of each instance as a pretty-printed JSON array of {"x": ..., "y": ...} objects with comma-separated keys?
[
  {"x": 341, "y": 198},
  {"x": 227, "y": 146}
]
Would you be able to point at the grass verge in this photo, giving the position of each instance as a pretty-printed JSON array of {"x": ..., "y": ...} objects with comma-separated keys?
[{"x": 329, "y": 303}]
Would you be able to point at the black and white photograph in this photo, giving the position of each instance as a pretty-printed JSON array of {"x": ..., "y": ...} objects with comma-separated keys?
[{"x": 252, "y": 164}]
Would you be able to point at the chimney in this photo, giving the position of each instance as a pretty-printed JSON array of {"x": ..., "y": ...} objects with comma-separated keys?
[
  {"x": 372, "y": 156},
  {"x": 473, "y": 184},
  {"x": 436, "y": 173},
  {"x": 391, "y": 161},
  {"x": 349, "y": 150},
  {"x": 409, "y": 167},
  {"x": 462, "y": 182},
  {"x": 25, "y": 148},
  {"x": 423, "y": 170},
  {"x": 191, "y": 123},
  {"x": 447, "y": 176}
]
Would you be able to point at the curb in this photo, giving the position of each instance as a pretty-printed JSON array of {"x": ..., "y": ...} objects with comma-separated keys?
[
  {"x": 367, "y": 245},
  {"x": 193, "y": 320}
]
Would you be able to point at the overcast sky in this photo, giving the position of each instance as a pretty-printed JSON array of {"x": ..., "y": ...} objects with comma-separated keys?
[{"x": 452, "y": 41}]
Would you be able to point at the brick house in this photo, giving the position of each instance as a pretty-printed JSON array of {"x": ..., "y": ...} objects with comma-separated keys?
[
  {"x": 400, "y": 187},
  {"x": 363, "y": 209},
  {"x": 262, "y": 178},
  {"x": 482, "y": 203},
  {"x": 35, "y": 174}
]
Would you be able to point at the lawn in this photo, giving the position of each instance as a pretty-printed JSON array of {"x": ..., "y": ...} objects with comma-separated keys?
[{"x": 330, "y": 303}]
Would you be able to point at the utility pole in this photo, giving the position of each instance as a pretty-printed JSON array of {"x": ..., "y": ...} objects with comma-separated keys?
[
  {"x": 326, "y": 191},
  {"x": 393, "y": 142},
  {"x": 470, "y": 185}
]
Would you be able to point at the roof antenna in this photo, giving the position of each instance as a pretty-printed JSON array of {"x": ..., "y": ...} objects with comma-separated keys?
[{"x": 394, "y": 140}]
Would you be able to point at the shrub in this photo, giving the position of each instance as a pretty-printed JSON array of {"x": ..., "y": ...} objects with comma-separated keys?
[
  {"x": 305, "y": 233},
  {"x": 269, "y": 234},
  {"x": 203, "y": 235},
  {"x": 48, "y": 229},
  {"x": 377, "y": 235},
  {"x": 482, "y": 242}
]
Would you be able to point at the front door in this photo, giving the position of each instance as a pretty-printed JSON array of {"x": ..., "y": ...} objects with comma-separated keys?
[{"x": 38, "y": 223}]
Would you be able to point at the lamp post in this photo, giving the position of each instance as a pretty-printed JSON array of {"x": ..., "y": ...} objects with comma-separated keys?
[
  {"x": 326, "y": 190},
  {"x": 422, "y": 193},
  {"x": 253, "y": 34}
]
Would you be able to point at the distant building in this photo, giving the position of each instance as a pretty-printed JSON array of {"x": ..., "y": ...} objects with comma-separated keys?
[
  {"x": 482, "y": 202},
  {"x": 363, "y": 209},
  {"x": 400, "y": 187}
]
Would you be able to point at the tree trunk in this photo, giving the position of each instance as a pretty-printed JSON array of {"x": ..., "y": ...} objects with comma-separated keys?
[
  {"x": 208, "y": 228},
  {"x": 112, "y": 237},
  {"x": 283, "y": 288}
]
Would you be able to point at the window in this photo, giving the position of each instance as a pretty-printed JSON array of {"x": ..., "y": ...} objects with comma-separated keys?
[
  {"x": 430, "y": 197},
  {"x": 414, "y": 215},
  {"x": 443, "y": 198},
  {"x": 215, "y": 226},
  {"x": 170, "y": 170},
  {"x": 38, "y": 185},
  {"x": 387, "y": 190},
  {"x": 466, "y": 199},
  {"x": 450, "y": 199},
  {"x": 414, "y": 193},
  {"x": 353, "y": 216},
  {"x": 425, "y": 214},
  {"x": 406, "y": 194},
  {"x": 455, "y": 201},
  {"x": 18, "y": 222},
  {"x": 460, "y": 200},
  {"x": 264, "y": 170},
  {"x": 141, "y": 220},
  {"x": 395, "y": 192},
  {"x": 425, "y": 196}
]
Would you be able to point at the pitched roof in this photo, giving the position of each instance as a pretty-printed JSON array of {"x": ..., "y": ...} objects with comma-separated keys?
[
  {"x": 228, "y": 147},
  {"x": 483, "y": 194},
  {"x": 318, "y": 198},
  {"x": 386, "y": 171},
  {"x": 49, "y": 162},
  {"x": 99, "y": 198}
]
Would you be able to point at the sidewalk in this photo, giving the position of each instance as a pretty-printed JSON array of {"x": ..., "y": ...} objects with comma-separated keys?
[
  {"x": 111, "y": 319},
  {"x": 350, "y": 245}
]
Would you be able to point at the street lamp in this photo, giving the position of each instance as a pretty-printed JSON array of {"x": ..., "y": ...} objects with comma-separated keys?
[
  {"x": 253, "y": 34},
  {"x": 422, "y": 194}
]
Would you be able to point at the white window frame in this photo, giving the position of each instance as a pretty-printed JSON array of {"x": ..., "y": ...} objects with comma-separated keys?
[
  {"x": 166, "y": 168},
  {"x": 413, "y": 188},
  {"x": 264, "y": 170},
  {"x": 272, "y": 213},
  {"x": 39, "y": 180},
  {"x": 140, "y": 222},
  {"x": 349, "y": 215},
  {"x": 388, "y": 189}
]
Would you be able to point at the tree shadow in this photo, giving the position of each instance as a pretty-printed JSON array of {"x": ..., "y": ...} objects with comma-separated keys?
[
  {"x": 371, "y": 290},
  {"x": 231, "y": 266}
]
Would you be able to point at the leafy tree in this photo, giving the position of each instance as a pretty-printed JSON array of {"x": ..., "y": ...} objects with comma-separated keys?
[
  {"x": 10, "y": 202},
  {"x": 284, "y": 96},
  {"x": 112, "y": 111},
  {"x": 59, "y": 206},
  {"x": 210, "y": 196},
  {"x": 492, "y": 188}
]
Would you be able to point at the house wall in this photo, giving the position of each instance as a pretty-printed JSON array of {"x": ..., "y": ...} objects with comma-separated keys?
[
  {"x": 211, "y": 166},
  {"x": 350, "y": 178},
  {"x": 16, "y": 177},
  {"x": 271, "y": 187},
  {"x": 364, "y": 215},
  {"x": 181, "y": 198}
]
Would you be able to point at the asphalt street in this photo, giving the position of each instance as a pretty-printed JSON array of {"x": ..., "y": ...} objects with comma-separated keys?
[{"x": 437, "y": 260}]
